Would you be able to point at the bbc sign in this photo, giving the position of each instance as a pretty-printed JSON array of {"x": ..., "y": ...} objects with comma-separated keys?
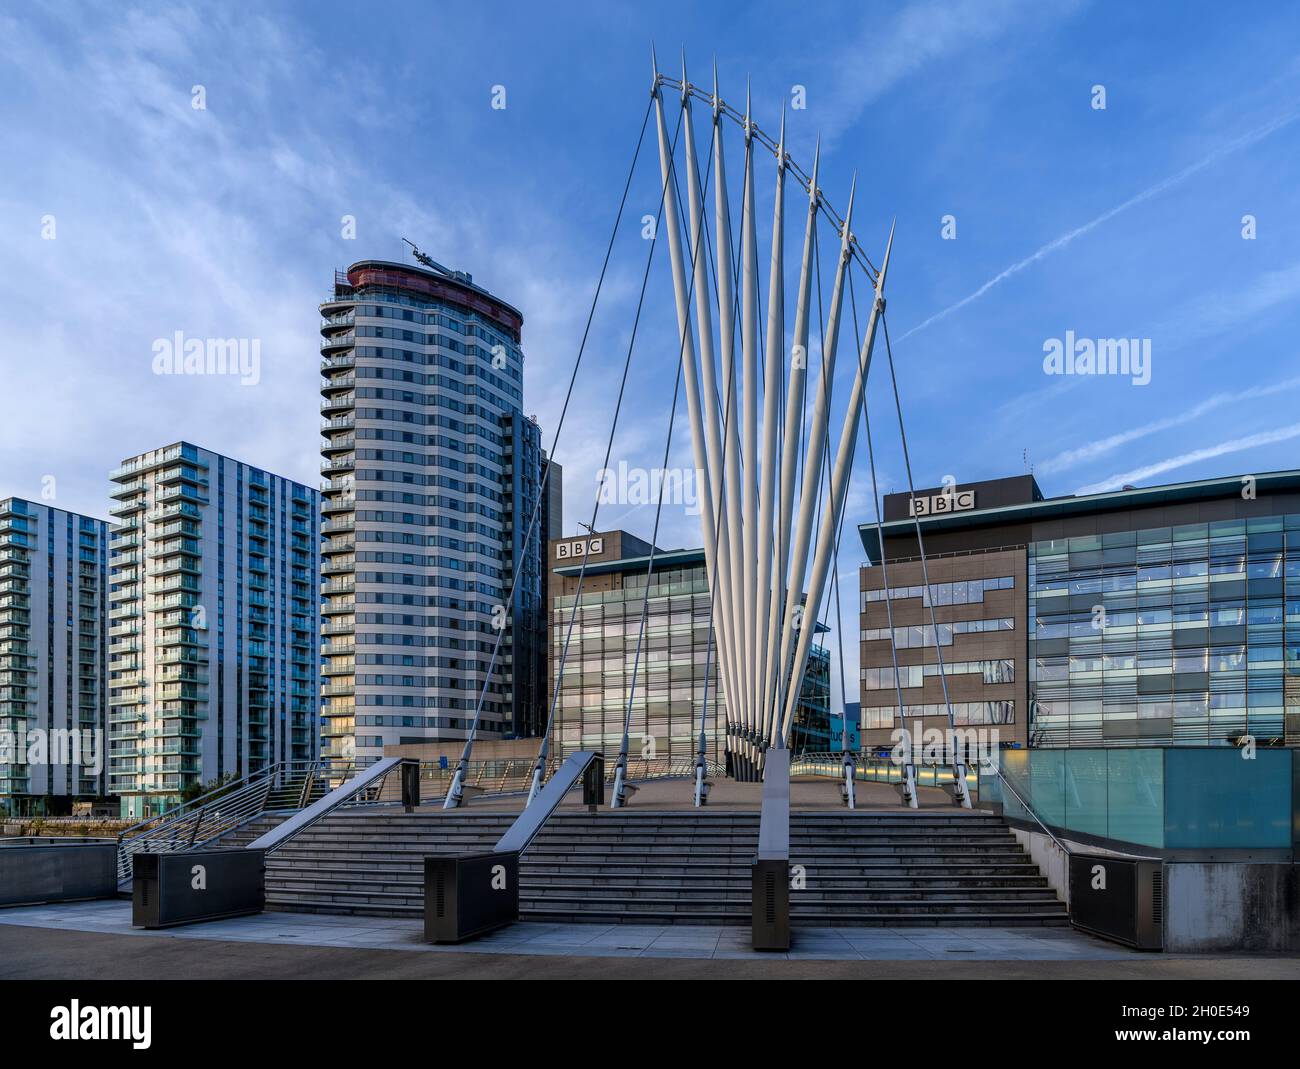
[
  {"x": 954, "y": 501},
  {"x": 580, "y": 548}
]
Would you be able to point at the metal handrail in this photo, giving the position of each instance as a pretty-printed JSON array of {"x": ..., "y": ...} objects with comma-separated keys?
[
  {"x": 216, "y": 813},
  {"x": 159, "y": 819},
  {"x": 1028, "y": 808},
  {"x": 54, "y": 840},
  {"x": 188, "y": 830},
  {"x": 278, "y": 770},
  {"x": 237, "y": 804},
  {"x": 365, "y": 788},
  {"x": 534, "y": 817},
  {"x": 831, "y": 763}
]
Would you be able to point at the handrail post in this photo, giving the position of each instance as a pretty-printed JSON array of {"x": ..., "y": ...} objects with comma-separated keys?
[
  {"x": 198, "y": 823},
  {"x": 307, "y": 781},
  {"x": 363, "y": 781},
  {"x": 907, "y": 791}
]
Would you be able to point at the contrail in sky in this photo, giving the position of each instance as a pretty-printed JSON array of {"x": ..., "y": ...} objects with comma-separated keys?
[
  {"x": 1236, "y": 445},
  {"x": 1244, "y": 141}
]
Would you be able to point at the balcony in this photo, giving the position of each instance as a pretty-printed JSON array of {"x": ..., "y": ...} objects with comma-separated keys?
[
  {"x": 339, "y": 503},
  {"x": 337, "y": 362},
  {"x": 338, "y": 341},
  {"x": 174, "y": 564},
  {"x": 181, "y": 451},
  {"x": 181, "y": 473},
  {"x": 128, "y": 488},
  {"x": 128, "y": 507},
  {"x": 181, "y": 492},
  {"x": 341, "y": 319},
  {"x": 183, "y": 510},
  {"x": 339, "y": 443}
]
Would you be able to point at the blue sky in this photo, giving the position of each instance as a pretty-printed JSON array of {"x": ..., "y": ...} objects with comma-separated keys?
[{"x": 226, "y": 222}]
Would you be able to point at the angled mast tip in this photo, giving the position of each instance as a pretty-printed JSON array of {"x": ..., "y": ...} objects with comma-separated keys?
[
  {"x": 884, "y": 264},
  {"x": 848, "y": 211}
]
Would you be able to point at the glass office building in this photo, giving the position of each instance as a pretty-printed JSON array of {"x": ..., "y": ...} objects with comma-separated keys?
[
  {"x": 815, "y": 729},
  {"x": 678, "y": 667},
  {"x": 1149, "y": 616},
  {"x": 1187, "y": 633}
]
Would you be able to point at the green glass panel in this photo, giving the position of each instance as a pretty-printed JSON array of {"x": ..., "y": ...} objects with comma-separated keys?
[
  {"x": 1085, "y": 791},
  {"x": 1218, "y": 799},
  {"x": 1135, "y": 796}
]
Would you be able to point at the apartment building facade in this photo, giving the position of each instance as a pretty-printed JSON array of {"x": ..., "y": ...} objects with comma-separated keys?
[
  {"x": 432, "y": 514},
  {"x": 214, "y": 624},
  {"x": 53, "y": 658}
]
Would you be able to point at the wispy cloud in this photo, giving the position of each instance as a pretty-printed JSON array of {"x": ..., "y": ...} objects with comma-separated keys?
[
  {"x": 221, "y": 222},
  {"x": 916, "y": 36},
  {"x": 1056, "y": 244},
  {"x": 1071, "y": 458},
  {"x": 1235, "y": 445}
]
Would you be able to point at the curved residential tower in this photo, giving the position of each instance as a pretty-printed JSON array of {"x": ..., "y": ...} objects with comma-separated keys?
[{"x": 431, "y": 474}]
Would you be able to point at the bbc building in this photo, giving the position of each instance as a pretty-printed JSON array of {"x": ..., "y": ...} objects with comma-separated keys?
[
  {"x": 677, "y": 673},
  {"x": 1155, "y": 616}
]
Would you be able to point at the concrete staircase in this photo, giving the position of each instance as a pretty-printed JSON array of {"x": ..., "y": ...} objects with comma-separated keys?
[
  {"x": 641, "y": 868},
  {"x": 371, "y": 863},
  {"x": 679, "y": 867},
  {"x": 255, "y": 828},
  {"x": 915, "y": 869}
]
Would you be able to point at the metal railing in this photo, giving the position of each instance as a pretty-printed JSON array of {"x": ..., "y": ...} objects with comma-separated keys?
[
  {"x": 521, "y": 833},
  {"x": 932, "y": 772},
  {"x": 514, "y": 775},
  {"x": 996, "y": 770},
  {"x": 54, "y": 840},
  {"x": 286, "y": 785},
  {"x": 366, "y": 788},
  {"x": 291, "y": 786},
  {"x": 873, "y": 768}
]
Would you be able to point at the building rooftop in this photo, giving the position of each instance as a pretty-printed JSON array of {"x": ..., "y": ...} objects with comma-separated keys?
[
  {"x": 1032, "y": 510},
  {"x": 454, "y": 288}
]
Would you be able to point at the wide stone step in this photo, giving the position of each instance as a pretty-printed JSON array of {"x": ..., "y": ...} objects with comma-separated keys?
[
  {"x": 577, "y": 902},
  {"x": 953, "y": 908},
  {"x": 847, "y": 883},
  {"x": 839, "y": 895},
  {"x": 548, "y": 915},
  {"x": 931, "y": 920}
]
